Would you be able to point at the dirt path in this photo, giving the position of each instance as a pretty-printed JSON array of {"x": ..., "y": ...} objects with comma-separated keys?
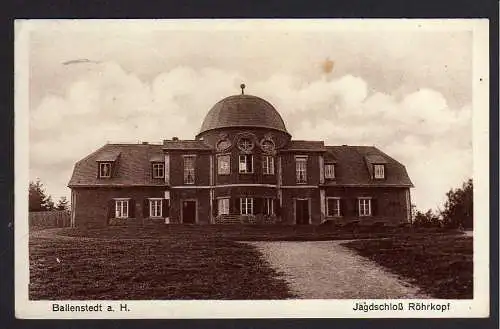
[{"x": 327, "y": 270}]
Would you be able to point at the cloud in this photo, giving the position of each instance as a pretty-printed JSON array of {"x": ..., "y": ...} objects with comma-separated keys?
[{"x": 109, "y": 103}]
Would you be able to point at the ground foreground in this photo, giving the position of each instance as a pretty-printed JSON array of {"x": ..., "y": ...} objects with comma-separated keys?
[
  {"x": 441, "y": 265},
  {"x": 251, "y": 232},
  {"x": 327, "y": 270},
  {"x": 167, "y": 268},
  {"x": 208, "y": 262}
]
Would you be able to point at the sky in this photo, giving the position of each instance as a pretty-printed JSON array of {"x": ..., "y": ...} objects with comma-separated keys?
[{"x": 403, "y": 88}]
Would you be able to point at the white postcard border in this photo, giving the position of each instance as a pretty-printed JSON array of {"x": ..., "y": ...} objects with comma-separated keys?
[{"x": 477, "y": 307}]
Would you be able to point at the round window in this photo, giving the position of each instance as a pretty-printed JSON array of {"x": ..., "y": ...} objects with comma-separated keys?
[
  {"x": 267, "y": 146},
  {"x": 245, "y": 144}
]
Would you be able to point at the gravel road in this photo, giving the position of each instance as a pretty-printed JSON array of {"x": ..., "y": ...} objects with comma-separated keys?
[{"x": 327, "y": 270}]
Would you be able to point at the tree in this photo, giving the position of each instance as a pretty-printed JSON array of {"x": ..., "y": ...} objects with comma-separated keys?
[
  {"x": 48, "y": 203},
  {"x": 427, "y": 219},
  {"x": 62, "y": 204},
  {"x": 458, "y": 208},
  {"x": 38, "y": 199}
]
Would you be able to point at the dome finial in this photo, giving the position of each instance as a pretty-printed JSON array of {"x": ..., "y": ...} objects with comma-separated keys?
[{"x": 242, "y": 86}]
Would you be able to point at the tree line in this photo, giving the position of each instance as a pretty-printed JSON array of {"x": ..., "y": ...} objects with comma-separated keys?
[
  {"x": 39, "y": 200},
  {"x": 457, "y": 212}
]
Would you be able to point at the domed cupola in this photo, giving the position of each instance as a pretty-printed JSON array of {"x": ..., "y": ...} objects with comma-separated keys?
[{"x": 243, "y": 111}]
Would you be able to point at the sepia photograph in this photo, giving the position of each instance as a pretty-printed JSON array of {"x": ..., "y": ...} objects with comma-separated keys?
[{"x": 264, "y": 161}]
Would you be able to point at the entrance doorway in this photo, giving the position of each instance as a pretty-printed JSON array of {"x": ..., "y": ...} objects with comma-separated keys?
[
  {"x": 189, "y": 211},
  {"x": 302, "y": 211}
]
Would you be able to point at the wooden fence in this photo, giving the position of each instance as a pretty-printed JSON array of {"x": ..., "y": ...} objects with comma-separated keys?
[{"x": 47, "y": 219}]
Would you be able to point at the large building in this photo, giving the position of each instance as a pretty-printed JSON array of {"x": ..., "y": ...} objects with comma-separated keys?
[{"x": 242, "y": 167}]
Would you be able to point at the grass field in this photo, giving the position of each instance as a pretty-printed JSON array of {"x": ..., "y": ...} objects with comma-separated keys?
[
  {"x": 170, "y": 268},
  {"x": 441, "y": 265},
  {"x": 251, "y": 232},
  {"x": 207, "y": 262}
]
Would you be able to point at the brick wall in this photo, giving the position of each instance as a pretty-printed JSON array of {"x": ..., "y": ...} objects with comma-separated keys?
[
  {"x": 288, "y": 204},
  {"x": 391, "y": 205},
  {"x": 202, "y": 167},
  {"x": 289, "y": 170},
  {"x": 92, "y": 204},
  {"x": 202, "y": 196}
]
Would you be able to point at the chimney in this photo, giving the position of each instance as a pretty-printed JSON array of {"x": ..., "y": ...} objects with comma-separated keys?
[{"x": 175, "y": 138}]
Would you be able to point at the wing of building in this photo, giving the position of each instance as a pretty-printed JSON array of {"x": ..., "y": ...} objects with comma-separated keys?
[{"x": 242, "y": 167}]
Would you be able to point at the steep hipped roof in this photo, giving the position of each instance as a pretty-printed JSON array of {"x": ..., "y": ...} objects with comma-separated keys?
[
  {"x": 243, "y": 111},
  {"x": 352, "y": 167},
  {"x": 133, "y": 166}
]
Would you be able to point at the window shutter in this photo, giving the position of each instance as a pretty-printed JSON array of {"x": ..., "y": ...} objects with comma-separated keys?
[
  {"x": 131, "y": 208},
  {"x": 356, "y": 207},
  {"x": 112, "y": 169},
  {"x": 277, "y": 209},
  {"x": 236, "y": 203},
  {"x": 215, "y": 207},
  {"x": 98, "y": 167},
  {"x": 152, "y": 170},
  {"x": 111, "y": 209},
  {"x": 145, "y": 208},
  {"x": 342, "y": 207},
  {"x": 374, "y": 206},
  {"x": 257, "y": 206},
  {"x": 165, "y": 211}
]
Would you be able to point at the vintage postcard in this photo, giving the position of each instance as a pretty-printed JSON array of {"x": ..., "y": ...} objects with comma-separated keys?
[{"x": 251, "y": 168}]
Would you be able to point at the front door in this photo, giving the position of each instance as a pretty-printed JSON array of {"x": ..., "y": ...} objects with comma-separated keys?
[
  {"x": 301, "y": 212},
  {"x": 189, "y": 212}
]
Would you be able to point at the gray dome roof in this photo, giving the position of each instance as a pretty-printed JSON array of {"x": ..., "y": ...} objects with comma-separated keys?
[{"x": 243, "y": 111}]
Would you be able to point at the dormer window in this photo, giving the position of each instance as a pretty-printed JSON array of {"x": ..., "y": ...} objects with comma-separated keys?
[
  {"x": 378, "y": 171},
  {"x": 158, "y": 170},
  {"x": 104, "y": 169},
  {"x": 329, "y": 171}
]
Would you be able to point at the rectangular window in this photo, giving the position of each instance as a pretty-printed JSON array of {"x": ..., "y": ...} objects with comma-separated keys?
[
  {"x": 329, "y": 171},
  {"x": 223, "y": 206},
  {"x": 301, "y": 170},
  {"x": 378, "y": 170},
  {"x": 104, "y": 169},
  {"x": 155, "y": 207},
  {"x": 246, "y": 206},
  {"x": 224, "y": 164},
  {"x": 121, "y": 208},
  {"x": 158, "y": 170},
  {"x": 246, "y": 164},
  {"x": 268, "y": 165},
  {"x": 189, "y": 162},
  {"x": 365, "y": 207},
  {"x": 269, "y": 206},
  {"x": 333, "y": 207}
]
